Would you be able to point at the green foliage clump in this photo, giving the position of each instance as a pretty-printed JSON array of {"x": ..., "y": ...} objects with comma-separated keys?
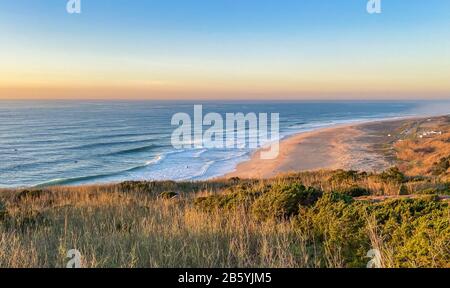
[
  {"x": 226, "y": 201},
  {"x": 403, "y": 190},
  {"x": 354, "y": 191},
  {"x": 135, "y": 186},
  {"x": 416, "y": 230},
  {"x": 412, "y": 232},
  {"x": 342, "y": 176},
  {"x": 339, "y": 224},
  {"x": 340, "y": 197},
  {"x": 441, "y": 167},
  {"x": 283, "y": 201},
  {"x": 392, "y": 175},
  {"x": 438, "y": 190}
]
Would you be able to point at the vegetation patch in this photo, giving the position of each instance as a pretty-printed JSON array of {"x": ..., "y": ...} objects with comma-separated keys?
[
  {"x": 31, "y": 195},
  {"x": 339, "y": 223},
  {"x": 227, "y": 201},
  {"x": 169, "y": 195},
  {"x": 409, "y": 232},
  {"x": 437, "y": 190},
  {"x": 441, "y": 167},
  {"x": 341, "y": 176},
  {"x": 392, "y": 175},
  {"x": 354, "y": 191},
  {"x": 284, "y": 201},
  {"x": 416, "y": 231},
  {"x": 3, "y": 212},
  {"x": 255, "y": 223}
]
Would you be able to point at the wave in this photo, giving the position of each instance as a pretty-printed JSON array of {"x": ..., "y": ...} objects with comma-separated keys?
[
  {"x": 202, "y": 171},
  {"x": 199, "y": 153},
  {"x": 132, "y": 150},
  {"x": 123, "y": 135},
  {"x": 157, "y": 159},
  {"x": 94, "y": 178},
  {"x": 71, "y": 181},
  {"x": 106, "y": 144}
]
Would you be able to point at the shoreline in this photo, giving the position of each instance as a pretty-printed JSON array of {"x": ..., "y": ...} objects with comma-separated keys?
[
  {"x": 339, "y": 146},
  {"x": 346, "y": 146}
]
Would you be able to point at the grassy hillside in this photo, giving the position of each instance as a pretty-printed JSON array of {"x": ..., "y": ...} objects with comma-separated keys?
[
  {"x": 422, "y": 147},
  {"x": 246, "y": 223}
]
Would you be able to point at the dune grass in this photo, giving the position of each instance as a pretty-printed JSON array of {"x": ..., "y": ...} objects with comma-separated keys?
[{"x": 308, "y": 219}]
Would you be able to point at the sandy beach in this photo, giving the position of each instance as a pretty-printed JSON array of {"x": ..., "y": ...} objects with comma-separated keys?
[{"x": 355, "y": 146}]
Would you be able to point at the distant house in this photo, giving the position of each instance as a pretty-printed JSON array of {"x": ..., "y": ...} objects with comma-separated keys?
[{"x": 430, "y": 134}]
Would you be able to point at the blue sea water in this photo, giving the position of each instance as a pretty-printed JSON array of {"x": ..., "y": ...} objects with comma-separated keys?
[{"x": 79, "y": 142}]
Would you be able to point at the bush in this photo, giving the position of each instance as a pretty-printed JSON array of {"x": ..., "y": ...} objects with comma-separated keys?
[
  {"x": 429, "y": 191},
  {"x": 354, "y": 191},
  {"x": 441, "y": 167},
  {"x": 226, "y": 201},
  {"x": 403, "y": 190},
  {"x": 341, "y": 176},
  {"x": 413, "y": 232},
  {"x": 392, "y": 175},
  {"x": 338, "y": 223},
  {"x": 339, "y": 197},
  {"x": 283, "y": 201},
  {"x": 402, "y": 209},
  {"x": 417, "y": 231},
  {"x": 440, "y": 190}
]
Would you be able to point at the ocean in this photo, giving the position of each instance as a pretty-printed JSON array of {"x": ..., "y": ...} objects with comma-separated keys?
[{"x": 82, "y": 142}]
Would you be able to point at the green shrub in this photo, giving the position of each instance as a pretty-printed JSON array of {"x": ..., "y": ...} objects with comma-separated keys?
[
  {"x": 414, "y": 232},
  {"x": 433, "y": 191},
  {"x": 225, "y": 201},
  {"x": 341, "y": 176},
  {"x": 403, "y": 190},
  {"x": 283, "y": 201},
  {"x": 429, "y": 191},
  {"x": 338, "y": 224},
  {"x": 406, "y": 208},
  {"x": 441, "y": 167},
  {"x": 340, "y": 197},
  {"x": 354, "y": 191},
  {"x": 392, "y": 175},
  {"x": 417, "y": 231}
]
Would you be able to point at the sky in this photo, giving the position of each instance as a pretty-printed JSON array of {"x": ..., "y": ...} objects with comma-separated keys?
[{"x": 224, "y": 49}]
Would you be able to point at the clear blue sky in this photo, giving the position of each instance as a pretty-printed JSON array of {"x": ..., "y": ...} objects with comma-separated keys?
[{"x": 295, "y": 48}]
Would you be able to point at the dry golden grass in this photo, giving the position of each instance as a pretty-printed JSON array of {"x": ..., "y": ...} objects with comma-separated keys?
[
  {"x": 416, "y": 156},
  {"x": 115, "y": 229},
  {"x": 130, "y": 226}
]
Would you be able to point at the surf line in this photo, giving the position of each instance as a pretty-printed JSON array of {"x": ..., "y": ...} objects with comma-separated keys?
[{"x": 236, "y": 131}]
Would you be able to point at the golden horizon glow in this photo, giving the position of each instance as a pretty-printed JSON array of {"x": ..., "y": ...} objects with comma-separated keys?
[{"x": 351, "y": 55}]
